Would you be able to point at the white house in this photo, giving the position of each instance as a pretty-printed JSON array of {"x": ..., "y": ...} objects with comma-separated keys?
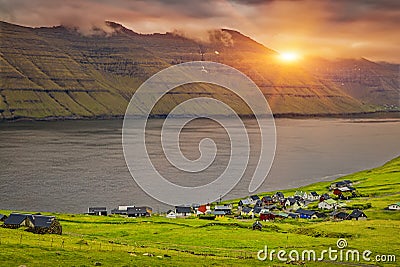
[
  {"x": 312, "y": 196},
  {"x": 293, "y": 204},
  {"x": 183, "y": 211},
  {"x": 395, "y": 206},
  {"x": 171, "y": 214},
  {"x": 328, "y": 204}
]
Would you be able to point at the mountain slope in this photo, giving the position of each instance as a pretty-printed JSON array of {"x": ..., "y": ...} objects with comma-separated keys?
[{"x": 57, "y": 72}]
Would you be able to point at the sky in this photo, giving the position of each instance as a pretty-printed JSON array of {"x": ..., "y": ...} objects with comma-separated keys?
[{"x": 328, "y": 29}]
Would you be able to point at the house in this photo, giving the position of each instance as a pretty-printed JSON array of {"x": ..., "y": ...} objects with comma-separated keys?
[
  {"x": 267, "y": 216},
  {"x": 38, "y": 224},
  {"x": 313, "y": 196},
  {"x": 292, "y": 203},
  {"x": 300, "y": 195},
  {"x": 183, "y": 211},
  {"x": 270, "y": 207},
  {"x": 2, "y": 217},
  {"x": 339, "y": 215},
  {"x": 345, "y": 192},
  {"x": 45, "y": 225},
  {"x": 257, "y": 210},
  {"x": 257, "y": 226},
  {"x": 344, "y": 183},
  {"x": 328, "y": 204},
  {"x": 139, "y": 211},
  {"x": 255, "y": 197},
  {"x": 16, "y": 220},
  {"x": 324, "y": 196},
  {"x": 203, "y": 209},
  {"x": 307, "y": 214},
  {"x": 99, "y": 211},
  {"x": 122, "y": 209},
  {"x": 244, "y": 202},
  {"x": 278, "y": 197},
  {"x": 227, "y": 209},
  {"x": 246, "y": 211},
  {"x": 267, "y": 200},
  {"x": 218, "y": 213},
  {"x": 259, "y": 203},
  {"x": 357, "y": 215},
  {"x": 171, "y": 214},
  {"x": 340, "y": 190},
  {"x": 395, "y": 206},
  {"x": 247, "y": 202}
]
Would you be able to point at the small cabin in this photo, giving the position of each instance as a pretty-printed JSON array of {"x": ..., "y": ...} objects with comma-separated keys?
[
  {"x": 226, "y": 209},
  {"x": 171, "y": 214},
  {"x": 328, "y": 204},
  {"x": 307, "y": 214},
  {"x": 45, "y": 225},
  {"x": 267, "y": 216},
  {"x": 339, "y": 215},
  {"x": 257, "y": 226},
  {"x": 99, "y": 211},
  {"x": 16, "y": 220},
  {"x": 278, "y": 197},
  {"x": 395, "y": 206},
  {"x": 357, "y": 215},
  {"x": 139, "y": 211},
  {"x": 183, "y": 211},
  {"x": 122, "y": 209},
  {"x": 38, "y": 224}
]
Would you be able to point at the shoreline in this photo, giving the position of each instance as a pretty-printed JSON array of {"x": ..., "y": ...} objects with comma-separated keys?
[{"x": 355, "y": 115}]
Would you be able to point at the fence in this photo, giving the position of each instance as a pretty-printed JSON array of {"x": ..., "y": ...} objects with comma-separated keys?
[{"x": 69, "y": 242}]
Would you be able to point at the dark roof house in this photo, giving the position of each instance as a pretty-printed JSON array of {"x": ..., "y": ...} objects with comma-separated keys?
[
  {"x": 255, "y": 197},
  {"x": 339, "y": 215},
  {"x": 227, "y": 209},
  {"x": 357, "y": 215},
  {"x": 183, "y": 210},
  {"x": 279, "y": 195},
  {"x": 16, "y": 220},
  {"x": 139, "y": 211},
  {"x": 246, "y": 210},
  {"x": 45, "y": 225},
  {"x": 99, "y": 211},
  {"x": 267, "y": 200},
  {"x": 244, "y": 202},
  {"x": 257, "y": 226},
  {"x": 307, "y": 214},
  {"x": 38, "y": 224}
]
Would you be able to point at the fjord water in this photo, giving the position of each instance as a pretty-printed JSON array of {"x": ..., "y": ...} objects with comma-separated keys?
[{"x": 67, "y": 166}]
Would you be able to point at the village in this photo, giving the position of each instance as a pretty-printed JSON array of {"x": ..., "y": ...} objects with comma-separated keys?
[
  {"x": 304, "y": 205},
  {"x": 335, "y": 204}
]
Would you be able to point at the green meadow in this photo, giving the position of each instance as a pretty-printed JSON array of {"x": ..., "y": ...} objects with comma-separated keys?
[{"x": 158, "y": 241}]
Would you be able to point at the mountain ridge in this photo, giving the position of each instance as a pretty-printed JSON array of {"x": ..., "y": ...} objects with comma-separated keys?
[{"x": 57, "y": 72}]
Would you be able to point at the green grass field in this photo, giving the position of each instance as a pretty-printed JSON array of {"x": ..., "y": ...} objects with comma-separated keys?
[{"x": 158, "y": 241}]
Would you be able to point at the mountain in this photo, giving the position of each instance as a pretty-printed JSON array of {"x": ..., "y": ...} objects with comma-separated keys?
[{"x": 57, "y": 72}]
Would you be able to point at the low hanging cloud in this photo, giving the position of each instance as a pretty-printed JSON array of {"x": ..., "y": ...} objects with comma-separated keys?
[{"x": 324, "y": 28}]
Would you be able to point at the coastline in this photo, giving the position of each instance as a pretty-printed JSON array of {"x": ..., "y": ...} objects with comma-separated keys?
[{"x": 356, "y": 115}]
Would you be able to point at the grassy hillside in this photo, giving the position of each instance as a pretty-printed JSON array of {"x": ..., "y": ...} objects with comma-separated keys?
[
  {"x": 57, "y": 72},
  {"x": 158, "y": 241}
]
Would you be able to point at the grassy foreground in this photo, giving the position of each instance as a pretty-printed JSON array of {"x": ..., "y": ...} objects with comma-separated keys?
[{"x": 158, "y": 241}]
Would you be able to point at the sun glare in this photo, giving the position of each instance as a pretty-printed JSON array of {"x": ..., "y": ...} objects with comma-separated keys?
[{"x": 288, "y": 56}]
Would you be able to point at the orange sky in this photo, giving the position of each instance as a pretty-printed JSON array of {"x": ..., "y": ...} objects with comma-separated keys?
[{"x": 341, "y": 28}]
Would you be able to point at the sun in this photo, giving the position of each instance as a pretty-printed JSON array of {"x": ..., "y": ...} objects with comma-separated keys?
[{"x": 289, "y": 56}]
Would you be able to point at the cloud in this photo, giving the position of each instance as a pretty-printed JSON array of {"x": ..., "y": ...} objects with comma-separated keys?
[{"x": 326, "y": 28}]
